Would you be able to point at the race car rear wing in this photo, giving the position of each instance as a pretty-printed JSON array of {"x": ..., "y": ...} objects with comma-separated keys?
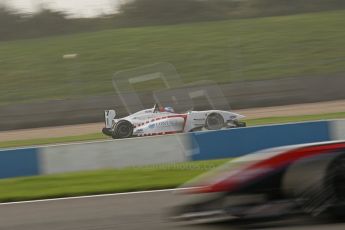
[{"x": 109, "y": 116}]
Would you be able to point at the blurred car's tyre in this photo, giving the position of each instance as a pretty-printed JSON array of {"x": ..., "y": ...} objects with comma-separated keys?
[
  {"x": 318, "y": 184},
  {"x": 337, "y": 180},
  {"x": 122, "y": 129},
  {"x": 214, "y": 121}
]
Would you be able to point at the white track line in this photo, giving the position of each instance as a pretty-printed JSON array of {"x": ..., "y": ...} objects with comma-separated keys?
[{"x": 93, "y": 196}]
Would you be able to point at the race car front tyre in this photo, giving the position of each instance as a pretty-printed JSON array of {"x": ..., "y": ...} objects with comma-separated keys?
[
  {"x": 122, "y": 129},
  {"x": 214, "y": 121}
]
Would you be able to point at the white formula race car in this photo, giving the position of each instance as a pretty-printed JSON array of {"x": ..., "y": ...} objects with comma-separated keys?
[{"x": 163, "y": 120}]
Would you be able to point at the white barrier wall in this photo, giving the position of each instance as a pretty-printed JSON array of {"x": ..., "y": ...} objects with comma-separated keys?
[
  {"x": 113, "y": 154},
  {"x": 338, "y": 129}
]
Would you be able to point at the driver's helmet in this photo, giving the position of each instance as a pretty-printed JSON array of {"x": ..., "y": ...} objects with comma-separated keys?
[{"x": 169, "y": 109}]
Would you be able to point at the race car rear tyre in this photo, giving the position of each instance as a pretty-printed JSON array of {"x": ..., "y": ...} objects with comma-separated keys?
[
  {"x": 122, "y": 129},
  {"x": 318, "y": 184},
  {"x": 214, "y": 121}
]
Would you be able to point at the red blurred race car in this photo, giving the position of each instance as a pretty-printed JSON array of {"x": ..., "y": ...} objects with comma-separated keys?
[{"x": 307, "y": 179}]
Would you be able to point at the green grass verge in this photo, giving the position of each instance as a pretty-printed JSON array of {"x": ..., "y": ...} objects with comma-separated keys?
[
  {"x": 99, "y": 136},
  {"x": 223, "y": 51},
  {"x": 104, "y": 181},
  {"x": 286, "y": 119},
  {"x": 53, "y": 140}
]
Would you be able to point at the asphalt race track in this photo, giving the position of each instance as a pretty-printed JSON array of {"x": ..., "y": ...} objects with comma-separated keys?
[{"x": 121, "y": 211}]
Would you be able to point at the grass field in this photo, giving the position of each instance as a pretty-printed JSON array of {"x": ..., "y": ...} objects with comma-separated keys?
[
  {"x": 103, "y": 181},
  {"x": 286, "y": 119},
  {"x": 100, "y": 136},
  {"x": 224, "y": 51},
  {"x": 55, "y": 140}
]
